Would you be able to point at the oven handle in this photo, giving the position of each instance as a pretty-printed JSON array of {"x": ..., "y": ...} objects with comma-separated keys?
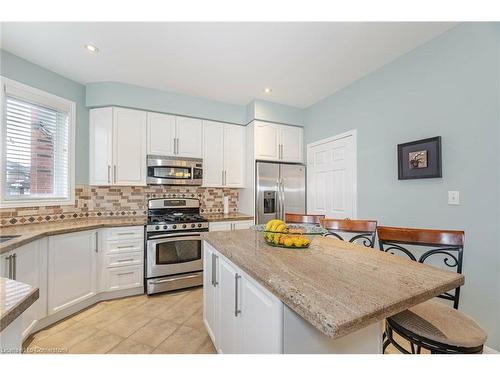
[
  {"x": 171, "y": 235},
  {"x": 174, "y": 279}
]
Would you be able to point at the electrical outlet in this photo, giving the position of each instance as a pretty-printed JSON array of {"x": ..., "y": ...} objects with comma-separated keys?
[{"x": 454, "y": 197}]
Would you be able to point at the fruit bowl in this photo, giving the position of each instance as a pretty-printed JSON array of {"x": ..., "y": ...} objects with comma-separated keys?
[{"x": 291, "y": 236}]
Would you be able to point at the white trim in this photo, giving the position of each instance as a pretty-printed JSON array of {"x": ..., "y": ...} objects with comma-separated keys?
[
  {"x": 351, "y": 133},
  {"x": 71, "y": 106}
]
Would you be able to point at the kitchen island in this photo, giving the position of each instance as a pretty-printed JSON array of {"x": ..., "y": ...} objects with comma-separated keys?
[{"x": 329, "y": 298}]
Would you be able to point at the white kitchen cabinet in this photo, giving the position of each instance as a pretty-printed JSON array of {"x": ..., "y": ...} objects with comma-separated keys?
[
  {"x": 230, "y": 333},
  {"x": 129, "y": 147},
  {"x": 223, "y": 155},
  {"x": 161, "y": 134},
  {"x": 123, "y": 277},
  {"x": 240, "y": 315},
  {"x": 28, "y": 264},
  {"x": 215, "y": 226},
  {"x": 189, "y": 137},
  {"x": 117, "y": 153},
  {"x": 278, "y": 142},
  {"x": 72, "y": 269},
  {"x": 101, "y": 146},
  {"x": 211, "y": 292},
  {"x": 174, "y": 135}
]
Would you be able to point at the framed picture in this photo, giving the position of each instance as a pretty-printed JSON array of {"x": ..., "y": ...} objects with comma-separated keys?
[{"x": 420, "y": 159}]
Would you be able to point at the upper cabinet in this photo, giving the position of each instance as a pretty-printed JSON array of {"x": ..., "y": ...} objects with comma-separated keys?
[
  {"x": 174, "y": 136},
  {"x": 278, "y": 142},
  {"x": 223, "y": 155},
  {"x": 117, "y": 146}
]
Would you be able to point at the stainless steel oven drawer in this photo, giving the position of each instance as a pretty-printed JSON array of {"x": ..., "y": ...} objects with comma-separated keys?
[{"x": 164, "y": 284}]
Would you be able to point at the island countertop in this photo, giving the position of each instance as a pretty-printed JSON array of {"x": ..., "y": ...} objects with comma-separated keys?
[
  {"x": 336, "y": 286},
  {"x": 15, "y": 298}
]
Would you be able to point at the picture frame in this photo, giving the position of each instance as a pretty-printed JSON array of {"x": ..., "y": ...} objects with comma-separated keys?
[{"x": 420, "y": 159}]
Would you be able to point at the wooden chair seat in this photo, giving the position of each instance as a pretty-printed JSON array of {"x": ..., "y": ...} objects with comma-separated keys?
[{"x": 440, "y": 323}]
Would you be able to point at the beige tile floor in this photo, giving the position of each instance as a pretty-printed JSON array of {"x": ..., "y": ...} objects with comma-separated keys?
[
  {"x": 164, "y": 323},
  {"x": 168, "y": 323}
]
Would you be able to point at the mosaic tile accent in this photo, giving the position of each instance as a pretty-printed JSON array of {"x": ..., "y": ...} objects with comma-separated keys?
[{"x": 108, "y": 201}]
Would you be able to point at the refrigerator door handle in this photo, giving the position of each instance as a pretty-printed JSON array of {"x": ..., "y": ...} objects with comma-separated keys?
[
  {"x": 282, "y": 200},
  {"x": 278, "y": 197}
]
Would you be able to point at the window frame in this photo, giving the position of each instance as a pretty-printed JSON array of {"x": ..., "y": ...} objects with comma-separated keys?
[{"x": 36, "y": 202}]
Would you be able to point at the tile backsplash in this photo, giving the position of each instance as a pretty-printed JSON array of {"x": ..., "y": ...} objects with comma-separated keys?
[{"x": 107, "y": 201}]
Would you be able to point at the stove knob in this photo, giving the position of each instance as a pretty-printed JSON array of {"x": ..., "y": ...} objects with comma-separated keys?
[
  {"x": 184, "y": 225},
  {"x": 199, "y": 225},
  {"x": 174, "y": 226},
  {"x": 157, "y": 227},
  {"x": 165, "y": 227},
  {"x": 193, "y": 225}
]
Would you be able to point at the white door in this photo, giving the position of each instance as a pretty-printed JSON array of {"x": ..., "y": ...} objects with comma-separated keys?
[
  {"x": 291, "y": 144},
  {"x": 210, "y": 298},
  {"x": 160, "y": 134},
  {"x": 189, "y": 137},
  {"x": 331, "y": 170},
  {"x": 266, "y": 141},
  {"x": 72, "y": 265},
  {"x": 101, "y": 146},
  {"x": 129, "y": 144},
  {"x": 213, "y": 153},
  {"x": 229, "y": 329},
  {"x": 261, "y": 320},
  {"x": 234, "y": 155},
  {"x": 31, "y": 268}
]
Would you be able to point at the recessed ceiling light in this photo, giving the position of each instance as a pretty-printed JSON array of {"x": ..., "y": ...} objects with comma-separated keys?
[
  {"x": 268, "y": 90},
  {"x": 91, "y": 48}
]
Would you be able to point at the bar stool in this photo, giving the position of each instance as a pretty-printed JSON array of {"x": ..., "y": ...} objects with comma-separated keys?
[
  {"x": 434, "y": 326},
  {"x": 364, "y": 230},
  {"x": 303, "y": 219}
]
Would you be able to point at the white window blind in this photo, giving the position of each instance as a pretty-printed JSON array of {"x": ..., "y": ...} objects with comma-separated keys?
[{"x": 37, "y": 148}]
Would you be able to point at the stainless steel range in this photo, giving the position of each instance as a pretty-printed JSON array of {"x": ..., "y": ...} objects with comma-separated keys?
[{"x": 173, "y": 244}]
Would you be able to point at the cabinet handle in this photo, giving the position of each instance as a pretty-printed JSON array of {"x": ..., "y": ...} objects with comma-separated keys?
[
  {"x": 126, "y": 273},
  {"x": 109, "y": 174},
  {"x": 96, "y": 249},
  {"x": 125, "y": 233},
  {"x": 225, "y": 178},
  {"x": 126, "y": 247},
  {"x": 176, "y": 146},
  {"x": 214, "y": 269},
  {"x": 14, "y": 266},
  {"x": 114, "y": 173},
  {"x": 222, "y": 177},
  {"x": 236, "y": 309},
  {"x": 9, "y": 266},
  {"x": 125, "y": 260}
]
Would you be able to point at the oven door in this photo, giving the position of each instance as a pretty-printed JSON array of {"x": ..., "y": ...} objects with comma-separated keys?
[{"x": 173, "y": 253}]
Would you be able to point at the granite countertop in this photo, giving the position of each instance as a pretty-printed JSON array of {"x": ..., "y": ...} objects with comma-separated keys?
[
  {"x": 336, "y": 286},
  {"x": 233, "y": 216},
  {"x": 15, "y": 298},
  {"x": 30, "y": 232}
]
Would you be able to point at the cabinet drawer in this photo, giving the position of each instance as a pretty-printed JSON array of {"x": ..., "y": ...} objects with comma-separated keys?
[
  {"x": 116, "y": 247},
  {"x": 123, "y": 277},
  {"x": 123, "y": 259},
  {"x": 124, "y": 233}
]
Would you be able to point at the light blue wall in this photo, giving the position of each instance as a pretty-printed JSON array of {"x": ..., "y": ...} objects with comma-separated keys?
[
  {"x": 273, "y": 112},
  {"x": 23, "y": 71},
  {"x": 448, "y": 87},
  {"x": 101, "y": 94}
]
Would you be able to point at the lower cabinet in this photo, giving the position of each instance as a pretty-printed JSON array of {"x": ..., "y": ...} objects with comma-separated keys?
[
  {"x": 240, "y": 315},
  {"x": 28, "y": 264},
  {"x": 216, "y": 226},
  {"x": 72, "y": 269}
]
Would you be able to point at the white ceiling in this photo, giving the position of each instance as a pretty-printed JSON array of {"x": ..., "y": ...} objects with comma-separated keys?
[{"x": 229, "y": 62}]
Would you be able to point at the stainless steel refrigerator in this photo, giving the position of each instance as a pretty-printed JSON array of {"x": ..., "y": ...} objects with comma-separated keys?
[{"x": 280, "y": 188}]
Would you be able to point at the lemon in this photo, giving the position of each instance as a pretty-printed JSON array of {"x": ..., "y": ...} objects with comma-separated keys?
[{"x": 288, "y": 242}]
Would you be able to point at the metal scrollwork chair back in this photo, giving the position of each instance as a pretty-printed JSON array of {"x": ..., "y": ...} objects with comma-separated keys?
[
  {"x": 447, "y": 243},
  {"x": 303, "y": 219},
  {"x": 364, "y": 230}
]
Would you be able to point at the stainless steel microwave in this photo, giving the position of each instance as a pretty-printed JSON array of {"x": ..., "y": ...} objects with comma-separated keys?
[{"x": 170, "y": 170}]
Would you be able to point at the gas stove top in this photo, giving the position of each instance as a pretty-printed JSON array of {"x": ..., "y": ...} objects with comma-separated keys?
[{"x": 175, "y": 215}]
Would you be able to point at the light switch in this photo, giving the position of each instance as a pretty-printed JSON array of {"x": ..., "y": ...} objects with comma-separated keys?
[{"x": 454, "y": 197}]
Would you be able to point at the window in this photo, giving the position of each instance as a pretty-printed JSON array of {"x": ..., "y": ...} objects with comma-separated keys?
[{"x": 37, "y": 147}]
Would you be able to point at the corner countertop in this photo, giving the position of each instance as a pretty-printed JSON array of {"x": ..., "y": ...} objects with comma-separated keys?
[
  {"x": 15, "y": 298},
  {"x": 233, "y": 216},
  {"x": 31, "y": 232},
  {"x": 336, "y": 286}
]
